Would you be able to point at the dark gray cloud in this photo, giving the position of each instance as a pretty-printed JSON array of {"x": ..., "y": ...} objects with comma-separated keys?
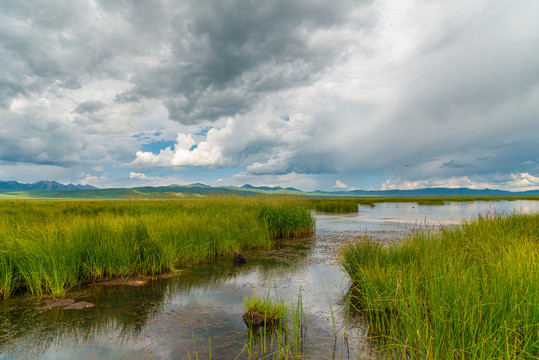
[
  {"x": 89, "y": 107},
  {"x": 208, "y": 59},
  {"x": 313, "y": 162},
  {"x": 32, "y": 140},
  {"x": 224, "y": 56},
  {"x": 43, "y": 43}
]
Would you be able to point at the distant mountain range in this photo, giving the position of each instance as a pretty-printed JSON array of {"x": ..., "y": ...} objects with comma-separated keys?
[
  {"x": 9, "y": 186},
  {"x": 53, "y": 189}
]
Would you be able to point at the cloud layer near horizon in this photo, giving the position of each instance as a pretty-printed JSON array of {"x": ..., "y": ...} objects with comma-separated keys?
[{"x": 305, "y": 93}]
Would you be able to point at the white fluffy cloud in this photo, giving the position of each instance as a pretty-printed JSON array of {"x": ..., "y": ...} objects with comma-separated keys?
[
  {"x": 182, "y": 155},
  {"x": 342, "y": 186},
  {"x": 135, "y": 175},
  {"x": 452, "y": 183},
  {"x": 524, "y": 182},
  {"x": 515, "y": 182},
  {"x": 242, "y": 141}
]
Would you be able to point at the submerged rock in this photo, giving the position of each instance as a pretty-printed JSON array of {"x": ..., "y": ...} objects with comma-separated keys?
[
  {"x": 79, "y": 305},
  {"x": 65, "y": 303},
  {"x": 239, "y": 257},
  {"x": 51, "y": 303},
  {"x": 133, "y": 281},
  {"x": 166, "y": 276}
]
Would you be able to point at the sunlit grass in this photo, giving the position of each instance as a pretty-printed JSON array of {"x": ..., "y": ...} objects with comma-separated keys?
[
  {"x": 52, "y": 246},
  {"x": 467, "y": 292}
]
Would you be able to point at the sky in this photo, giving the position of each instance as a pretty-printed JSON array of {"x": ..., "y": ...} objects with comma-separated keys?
[{"x": 311, "y": 94}]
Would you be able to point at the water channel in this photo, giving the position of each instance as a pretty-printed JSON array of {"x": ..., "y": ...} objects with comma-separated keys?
[{"x": 199, "y": 311}]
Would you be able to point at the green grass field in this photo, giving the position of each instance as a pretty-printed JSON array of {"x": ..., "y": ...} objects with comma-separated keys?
[
  {"x": 50, "y": 246},
  {"x": 467, "y": 292}
]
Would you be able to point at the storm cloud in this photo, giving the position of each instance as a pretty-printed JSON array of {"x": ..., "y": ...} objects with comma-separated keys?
[
  {"x": 370, "y": 93},
  {"x": 221, "y": 58}
]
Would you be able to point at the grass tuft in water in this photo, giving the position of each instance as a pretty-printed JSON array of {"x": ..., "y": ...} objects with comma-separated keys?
[
  {"x": 281, "y": 332},
  {"x": 264, "y": 311}
]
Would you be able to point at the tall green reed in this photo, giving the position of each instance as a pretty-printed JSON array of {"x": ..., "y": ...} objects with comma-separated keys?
[
  {"x": 345, "y": 205},
  {"x": 468, "y": 292},
  {"x": 52, "y": 246}
]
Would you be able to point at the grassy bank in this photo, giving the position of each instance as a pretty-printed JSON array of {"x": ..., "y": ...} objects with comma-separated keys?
[
  {"x": 470, "y": 292},
  {"x": 52, "y": 246}
]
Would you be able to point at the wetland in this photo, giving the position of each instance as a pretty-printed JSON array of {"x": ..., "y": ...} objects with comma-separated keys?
[{"x": 198, "y": 311}]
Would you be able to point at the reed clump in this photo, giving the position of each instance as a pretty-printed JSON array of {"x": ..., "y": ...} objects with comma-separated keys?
[
  {"x": 467, "y": 292},
  {"x": 264, "y": 311},
  {"x": 284, "y": 221},
  {"x": 335, "y": 205},
  {"x": 51, "y": 246},
  {"x": 276, "y": 330}
]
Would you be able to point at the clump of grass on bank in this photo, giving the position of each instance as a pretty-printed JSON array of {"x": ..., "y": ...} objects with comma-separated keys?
[
  {"x": 335, "y": 205},
  {"x": 52, "y": 246},
  {"x": 468, "y": 292}
]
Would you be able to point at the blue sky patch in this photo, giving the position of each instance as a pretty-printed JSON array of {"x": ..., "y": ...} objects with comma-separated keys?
[
  {"x": 204, "y": 131},
  {"x": 156, "y": 146}
]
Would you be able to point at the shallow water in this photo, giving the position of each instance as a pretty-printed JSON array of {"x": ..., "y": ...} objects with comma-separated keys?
[{"x": 200, "y": 310}]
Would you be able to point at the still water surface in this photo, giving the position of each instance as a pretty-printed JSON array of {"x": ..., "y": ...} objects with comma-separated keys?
[{"x": 202, "y": 308}]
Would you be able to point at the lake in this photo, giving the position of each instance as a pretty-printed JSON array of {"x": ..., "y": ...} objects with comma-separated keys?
[{"x": 200, "y": 310}]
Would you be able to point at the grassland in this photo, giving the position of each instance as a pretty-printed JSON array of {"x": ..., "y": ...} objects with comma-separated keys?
[
  {"x": 50, "y": 246},
  {"x": 467, "y": 292}
]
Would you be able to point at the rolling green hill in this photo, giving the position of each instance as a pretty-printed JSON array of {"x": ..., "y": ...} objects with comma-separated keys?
[{"x": 195, "y": 190}]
